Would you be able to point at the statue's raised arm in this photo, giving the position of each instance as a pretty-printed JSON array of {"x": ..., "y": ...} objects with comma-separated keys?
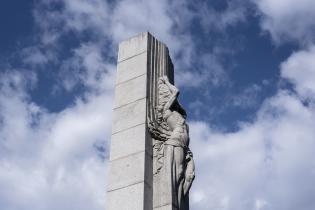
[{"x": 173, "y": 93}]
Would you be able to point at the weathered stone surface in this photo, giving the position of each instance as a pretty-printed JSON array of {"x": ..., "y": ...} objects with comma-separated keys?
[
  {"x": 130, "y": 168},
  {"x": 129, "y": 116},
  {"x": 132, "y": 68},
  {"x": 128, "y": 142},
  {"x": 133, "y": 46},
  {"x": 133, "y": 171},
  {"x": 134, "y": 197},
  {"x": 166, "y": 207},
  {"x": 130, "y": 91},
  {"x": 162, "y": 189}
]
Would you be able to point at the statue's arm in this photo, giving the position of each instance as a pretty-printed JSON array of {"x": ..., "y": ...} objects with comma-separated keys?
[
  {"x": 170, "y": 103},
  {"x": 175, "y": 93}
]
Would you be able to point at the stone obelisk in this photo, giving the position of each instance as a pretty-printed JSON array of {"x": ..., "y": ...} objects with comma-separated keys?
[{"x": 137, "y": 180}]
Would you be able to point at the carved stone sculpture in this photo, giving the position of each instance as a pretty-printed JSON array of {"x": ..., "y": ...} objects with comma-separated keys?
[{"x": 171, "y": 140}]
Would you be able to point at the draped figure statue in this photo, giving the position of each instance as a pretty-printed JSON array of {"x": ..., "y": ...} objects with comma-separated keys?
[{"x": 171, "y": 142}]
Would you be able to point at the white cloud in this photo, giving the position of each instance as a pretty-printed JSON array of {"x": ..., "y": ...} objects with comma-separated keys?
[
  {"x": 83, "y": 14},
  {"x": 260, "y": 204},
  {"x": 214, "y": 20},
  {"x": 73, "y": 15},
  {"x": 249, "y": 97},
  {"x": 288, "y": 20},
  {"x": 120, "y": 20},
  {"x": 132, "y": 17},
  {"x": 300, "y": 70},
  {"x": 52, "y": 161},
  {"x": 269, "y": 163},
  {"x": 34, "y": 56},
  {"x": 87, "y": 66},
  {"x": 209, "y": 71},
  {"x": 271, "y": 159}
]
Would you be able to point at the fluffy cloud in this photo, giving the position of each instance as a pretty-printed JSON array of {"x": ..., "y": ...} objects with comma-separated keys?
[
  {"x": 214, "y": 20},
  {"x": 49, "y": 160},
  {"x": 300, "y": 70},
  {"x": 119, "y": 20},
  {"x": 58, "y": 160},
  {"x": 87, "y": 66},
  {"x": 288, "y": 20},
  {"x": 268, "y": 164}
]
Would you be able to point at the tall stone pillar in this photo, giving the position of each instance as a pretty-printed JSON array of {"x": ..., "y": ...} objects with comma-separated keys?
[
  {"x": 141, "y": 60},
  {"x": 130, "y": 178}
]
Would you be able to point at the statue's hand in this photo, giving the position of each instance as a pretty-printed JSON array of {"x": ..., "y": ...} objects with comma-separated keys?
[
  {"x": 165, "y": 78},
  {"x": 151, "y": 126},
  {"x": 189, "y": 173},
  {"x": 188, "y": 182}
]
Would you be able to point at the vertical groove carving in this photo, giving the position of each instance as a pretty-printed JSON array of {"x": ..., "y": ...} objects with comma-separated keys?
[{"x": 159, "y": 64}]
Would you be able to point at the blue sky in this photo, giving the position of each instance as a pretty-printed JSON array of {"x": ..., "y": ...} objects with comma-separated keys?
[{"x": 245, "y": 68}]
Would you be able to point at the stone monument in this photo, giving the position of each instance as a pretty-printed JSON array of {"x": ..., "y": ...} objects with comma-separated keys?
[{"x": 151, "y": 166}]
